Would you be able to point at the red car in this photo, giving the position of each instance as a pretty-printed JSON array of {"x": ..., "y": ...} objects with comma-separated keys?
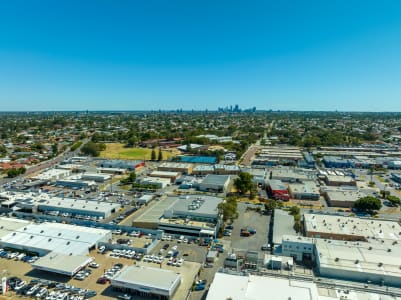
[{"x": 102, "y": 280}]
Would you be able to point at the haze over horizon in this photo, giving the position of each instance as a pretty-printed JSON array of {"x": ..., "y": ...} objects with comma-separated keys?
[{"x": 122, "y": 55}]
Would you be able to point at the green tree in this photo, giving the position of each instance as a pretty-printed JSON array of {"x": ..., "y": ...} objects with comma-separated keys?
[
  {"x": 367, "y": 203},
  {"x": 228, "y": 209},
  {"x": 3, "y": 151},
  {"x": 243, "y": 183},
  {"x": 130, "y": 179},
  {"x": 294, "y": 210},
  {"x": 153, "y": 154},
  {"x": 14, "y": 172},
  {"x": 132, "y": 141},
  {"x": 395, "y": 201},
  {"x": 93, "y": 149},
  {"x": 160, "y": 155}
]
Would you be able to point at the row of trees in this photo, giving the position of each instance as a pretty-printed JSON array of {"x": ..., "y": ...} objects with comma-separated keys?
[
  {"x": 159, "y": 155},
  {"x": 14, "y": 172}
]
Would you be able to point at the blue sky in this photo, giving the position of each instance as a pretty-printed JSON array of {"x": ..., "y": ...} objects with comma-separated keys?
[{"x": 135, "y": 55}]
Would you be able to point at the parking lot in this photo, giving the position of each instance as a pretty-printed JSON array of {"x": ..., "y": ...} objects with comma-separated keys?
[{"x": 246, "y": 219}]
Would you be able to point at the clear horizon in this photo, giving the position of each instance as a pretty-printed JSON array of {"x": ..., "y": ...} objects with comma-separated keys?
[{"x": 128, "y": 56}]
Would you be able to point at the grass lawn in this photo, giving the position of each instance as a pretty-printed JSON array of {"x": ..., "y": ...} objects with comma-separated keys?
[{"x": 118, "y": 151}]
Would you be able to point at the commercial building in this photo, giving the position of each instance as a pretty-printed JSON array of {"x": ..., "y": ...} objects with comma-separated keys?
[
  {"x": 165, "y": 174},
  {"x": 198, "y": 159},
  {"x": 283, "y": 225},
  {"x": 183, "y": 168},
  {"x": 259, "y": 175},
  {"x": 62, "y": 264},
  {"x": 253, "y": 287},
  {"x": 147, "y": 282},
  {"x": 95, "y": 177},
  {"x": 215, "y": 183},
  {"x": 42, "y": 202},
  {"x": 299, "y": 247},
  {"x": 193, "y": 215},
  {"x": 287, "y": 174},
  {"x": 226, "y": 169},
  {"x": 309, "y": 160},
  {"x": 161, "y": 183},
  {"x": 129, "y": 165},
  {"x": 339, "y": 180},
  {"x": 371, "y": 262},
  {"x": 43, "y": 238},
  {"x": 145, "y": 199},
  {"x": 76, "y": 183},
  {"x": 277, "y": 190},
  {"x": 336, "y": 162},
  {"x": 307, "y": 190},
  {"x": 203, "y": 170},
  {"x": 341, "y": 197},
  {"x": 52, "y": 175},
  {"x": 351, "y": 228}
]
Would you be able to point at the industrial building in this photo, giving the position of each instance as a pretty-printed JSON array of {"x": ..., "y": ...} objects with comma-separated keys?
[
  {"x": 129, "y": 165},
  {"x": 350, "y": 228},
  {"x": 339, "y": 180},
  {"x": 203, "y": 170},
  {"x": 42, "y": 202},
  {"x": 307, "y": 190},
  {"x": 287, "y": 174},
  {"x": 309, "y": 160},
  {"x": 75, "y": 182},
  {"x": 198, "y": 159},
  {"x": 43, "y": 238},
  {"x": 359, "y": 261},
  {"x": 183, "y": 168},
  {"x": 193, "y": 215},
  {"x": 161, "y": 183},
  {"x": 253, "y": 287},
  {"x": 283, "y": 225},
  {"x": 166, "y": 174},
  {"x": 95, "y": 177},
  {"x": 278, "y": 190},
  {"x": 145, "y": 199},
  {"x": 342, "y": 197},
  {"x": 215, "y": 183},
  {"x": 52, "y": 175},
  {"x": 147, "y": 282},
  {"x": 62, "y": 264},
  {"x": 226, "y": 169},
  {"x": 299, "y": 247}
]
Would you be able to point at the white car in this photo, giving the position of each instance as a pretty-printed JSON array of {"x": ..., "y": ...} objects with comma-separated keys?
[{"x": 94, "y": 265}]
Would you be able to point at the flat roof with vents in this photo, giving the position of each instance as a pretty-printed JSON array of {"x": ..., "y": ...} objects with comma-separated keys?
[
  {"x": 45, "y": 202},
  {"x": 368, "y": 229},
  {"x": 359, "y": 261},
  {"x": 46, "y": 237}
]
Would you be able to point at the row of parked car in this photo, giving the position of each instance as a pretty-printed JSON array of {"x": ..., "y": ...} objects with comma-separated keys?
[
  {"x": 48, "y": 290},
  {"x": 130, "y": 254},
  {"x": 17, "y": 256},
  {"x": 110, "y": 273}
]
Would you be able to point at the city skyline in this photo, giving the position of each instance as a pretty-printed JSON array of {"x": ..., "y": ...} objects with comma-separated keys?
[{"x": 124, "y": 56}]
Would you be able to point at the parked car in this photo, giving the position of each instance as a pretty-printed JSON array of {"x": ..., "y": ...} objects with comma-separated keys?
[{"x": 266, "y": 247}]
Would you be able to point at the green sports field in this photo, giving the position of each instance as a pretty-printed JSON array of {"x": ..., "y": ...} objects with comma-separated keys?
[{"x": 119, "y": 151}]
